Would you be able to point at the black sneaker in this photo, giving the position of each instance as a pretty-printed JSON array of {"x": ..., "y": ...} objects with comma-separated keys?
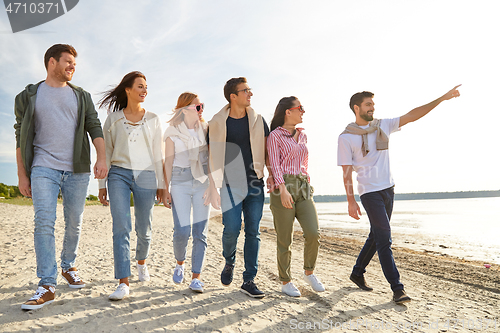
[
  {"x": 226, "y": 277},
  {"x": 360, "y": 282},
  {"x": 400, "y": 297},
  {"x": 251, "y": 289}
]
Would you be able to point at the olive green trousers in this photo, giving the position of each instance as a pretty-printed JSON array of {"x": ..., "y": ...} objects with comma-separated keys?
[{"x": 305, "y": 212}]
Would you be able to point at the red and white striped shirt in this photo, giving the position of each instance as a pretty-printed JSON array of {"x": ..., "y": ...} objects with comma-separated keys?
[{"x": 286, "y": 155}]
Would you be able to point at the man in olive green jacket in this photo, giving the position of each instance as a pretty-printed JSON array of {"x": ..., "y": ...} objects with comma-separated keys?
[{"x": 53, "y": 121}]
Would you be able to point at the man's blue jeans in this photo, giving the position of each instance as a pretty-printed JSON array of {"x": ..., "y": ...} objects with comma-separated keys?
[
  {"x": 45, "y": 186},
  {"x": 251, "y": 205},
  {"x": 121, "y": 183},
  {"x": 378, "y": 206}
]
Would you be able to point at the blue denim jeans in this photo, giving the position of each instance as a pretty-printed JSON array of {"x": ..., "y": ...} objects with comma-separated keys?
[
  {"x": 121, "y": 183},
  {"x": 187, "y": 193},
  {"x": 45, "y": 186},
  {"x": 378, "y": 206},
  {"x": 233, "y": 204}
]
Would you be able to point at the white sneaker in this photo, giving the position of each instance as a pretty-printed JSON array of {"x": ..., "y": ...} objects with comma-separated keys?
[
  {"x": 290, "y": 290},
  {"x": 178, "y": 274},
  {"x": 143, "y": 272},
  {"x": 314, "y": 282},
  {"x": 120, "y": 292},
  {"x": 196, "y": 285}
]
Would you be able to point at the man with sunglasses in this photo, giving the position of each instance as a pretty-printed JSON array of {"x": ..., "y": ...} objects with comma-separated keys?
[
  {"x": 363, "y": 147},
  {"x": 237, "y": 154}
]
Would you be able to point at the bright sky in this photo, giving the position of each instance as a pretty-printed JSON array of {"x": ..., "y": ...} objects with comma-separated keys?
[{"x": 407, "y": 52}]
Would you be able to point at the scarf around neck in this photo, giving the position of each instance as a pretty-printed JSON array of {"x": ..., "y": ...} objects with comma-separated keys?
[
  {"x": 195, "y": 146},
  {"x": 217, "y": 149},
  {"x": 382, "y": 138}
]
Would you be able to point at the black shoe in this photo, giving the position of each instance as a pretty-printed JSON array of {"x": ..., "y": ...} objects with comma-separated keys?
[
  {"x": 226, "y": 277},
  {"x": 360, "y": 282},
  {"x": 400, "y": 297},
  {"x": 251, "y": 290}
]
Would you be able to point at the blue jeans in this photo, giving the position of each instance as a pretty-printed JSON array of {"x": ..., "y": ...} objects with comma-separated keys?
[
  {"x": 121, "y": 183},
  {"x": 187, "y": 192},
  {"x": 233, "y": 203},
  {"x": 45, "y": 186},
  {"x": 378, "y": 206}
]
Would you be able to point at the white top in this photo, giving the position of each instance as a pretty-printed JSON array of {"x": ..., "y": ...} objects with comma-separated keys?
[
  {"x": 134, "y": 146},
  {"x": 373, "y": 170},
  {"x": 140, "y": 159},
  {"x": 181, "y": 153}
]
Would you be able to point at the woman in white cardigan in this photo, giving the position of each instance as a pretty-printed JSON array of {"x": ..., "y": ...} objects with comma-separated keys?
[
  {"x": 186, "y": 171},
  {"x": 134, "y": 157}
]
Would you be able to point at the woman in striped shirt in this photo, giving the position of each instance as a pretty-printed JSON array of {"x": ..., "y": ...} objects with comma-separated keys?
[{"x": 292, "y": 197}]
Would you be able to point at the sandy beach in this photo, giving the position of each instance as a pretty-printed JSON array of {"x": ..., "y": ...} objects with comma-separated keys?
[{"x": 449, "y": 294}]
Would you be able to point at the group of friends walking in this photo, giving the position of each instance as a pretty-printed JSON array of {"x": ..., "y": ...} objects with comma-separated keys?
[{"x": 192, "y": 165}]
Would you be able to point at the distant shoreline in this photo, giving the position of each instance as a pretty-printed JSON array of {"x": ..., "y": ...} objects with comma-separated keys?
[
  {"x": 416, "y": 196},
  {"x": 419, "y": 196},
  {"x": 398, "y": 196}
]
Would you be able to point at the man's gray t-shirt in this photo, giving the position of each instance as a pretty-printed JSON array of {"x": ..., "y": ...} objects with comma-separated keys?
[{"x": 56, "y": 117}]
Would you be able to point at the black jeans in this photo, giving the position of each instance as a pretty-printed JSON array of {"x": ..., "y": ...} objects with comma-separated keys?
[{"x": 378, "y": 206}]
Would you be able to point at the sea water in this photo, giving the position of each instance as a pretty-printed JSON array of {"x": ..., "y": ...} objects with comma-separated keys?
[{"x": 464, "y": 228}]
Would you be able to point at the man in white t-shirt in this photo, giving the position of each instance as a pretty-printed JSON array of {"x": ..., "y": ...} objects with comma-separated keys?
[{"x": 363, "y": 147}]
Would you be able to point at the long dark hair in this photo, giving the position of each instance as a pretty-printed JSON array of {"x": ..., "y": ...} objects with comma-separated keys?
[
  {"x": 116, "y": 99},
  {"x": 279, "y": 115}
]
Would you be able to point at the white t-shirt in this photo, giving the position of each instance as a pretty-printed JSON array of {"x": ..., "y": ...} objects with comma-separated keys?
[
  {"x": 373, "y": 170},
  {"x": 181, "y": 157},
  {"x": 140, "y": 158}
]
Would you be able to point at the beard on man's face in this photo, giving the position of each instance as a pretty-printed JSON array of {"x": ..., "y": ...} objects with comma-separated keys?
[{"x": 366, "y": 117}]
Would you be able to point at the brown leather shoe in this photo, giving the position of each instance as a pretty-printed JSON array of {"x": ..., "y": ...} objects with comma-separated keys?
[
  {"x": 400, "y": 297},
  {"x": 43, "y": 295},
  {"x": 360, "y": 282},
  {"x": 71, "y": 276}
]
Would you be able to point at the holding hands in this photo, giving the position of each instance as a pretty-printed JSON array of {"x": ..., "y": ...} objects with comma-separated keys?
[
  {"x": 167, "y": 199},
  {"x": 271, "y": 186},
  {"x": 212, "y": 196},
  {"x": 103, "y": 195},
  {"x": 100, "y": 169}
]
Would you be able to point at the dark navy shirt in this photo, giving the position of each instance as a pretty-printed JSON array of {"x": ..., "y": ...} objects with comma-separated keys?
[{"x": 238, "y": 132}]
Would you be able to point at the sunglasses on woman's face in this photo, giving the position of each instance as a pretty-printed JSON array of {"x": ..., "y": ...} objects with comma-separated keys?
[
  {"x": 199, "y": 107},
  {"x": 300, "y": 107}
]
